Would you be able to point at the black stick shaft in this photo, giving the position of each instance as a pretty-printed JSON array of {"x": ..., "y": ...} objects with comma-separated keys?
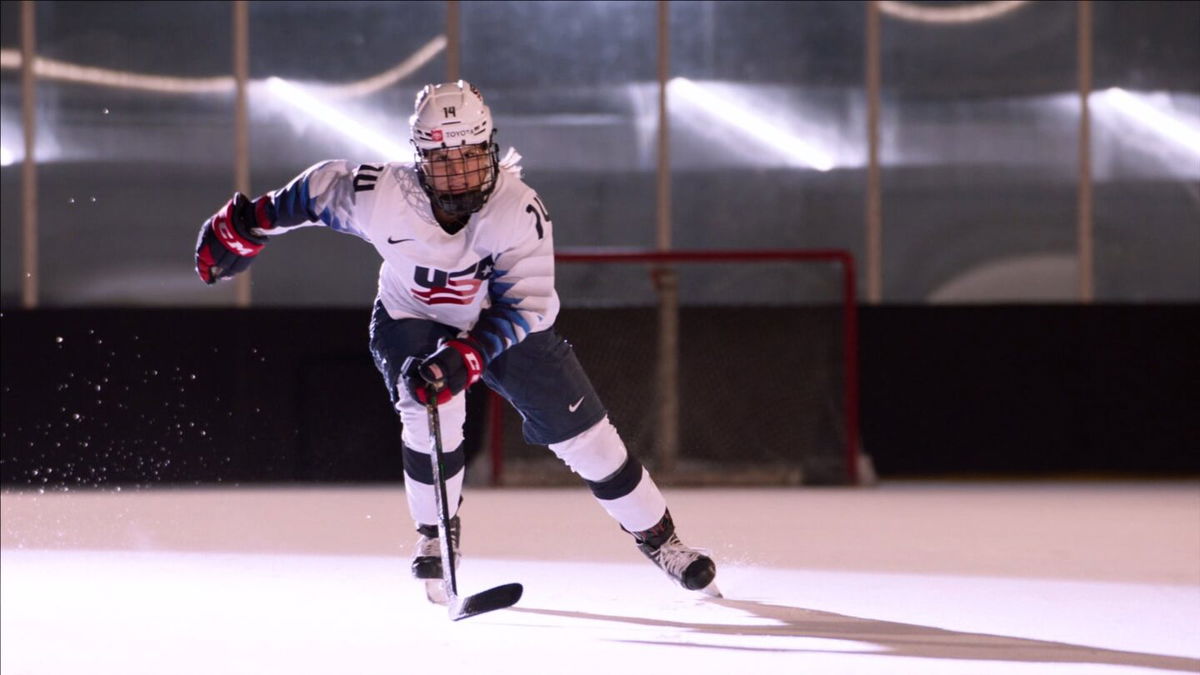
[{"x": 449, "y": 576}]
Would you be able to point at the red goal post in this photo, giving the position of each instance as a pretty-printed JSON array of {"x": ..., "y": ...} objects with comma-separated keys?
[{"x": 658, "y": 264}]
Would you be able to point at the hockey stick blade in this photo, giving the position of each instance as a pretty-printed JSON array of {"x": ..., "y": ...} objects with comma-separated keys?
[{"x": 485, "y": 601}]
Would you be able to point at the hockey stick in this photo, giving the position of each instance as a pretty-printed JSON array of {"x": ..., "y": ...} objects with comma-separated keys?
[{"x": 485, "y": 601}]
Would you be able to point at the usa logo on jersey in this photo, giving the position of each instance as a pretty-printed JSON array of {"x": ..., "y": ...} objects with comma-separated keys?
[{"x": 452, "y": 288}]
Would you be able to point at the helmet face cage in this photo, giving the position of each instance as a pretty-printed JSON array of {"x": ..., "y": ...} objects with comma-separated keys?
[
  {"x": 459, "y": 180},
  {"x": 457, "y": 159}
]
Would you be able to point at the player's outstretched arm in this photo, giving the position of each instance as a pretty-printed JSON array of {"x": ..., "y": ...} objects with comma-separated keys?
[
  {"x": 324, "y": 194},
  {"x": 231, "y": 239}
]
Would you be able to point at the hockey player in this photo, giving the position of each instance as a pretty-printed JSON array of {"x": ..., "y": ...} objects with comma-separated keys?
[{"x": 466, "y": 293}]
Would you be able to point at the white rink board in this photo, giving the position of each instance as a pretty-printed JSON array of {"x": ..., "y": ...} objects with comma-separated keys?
[{"x": 934, "y": 578}]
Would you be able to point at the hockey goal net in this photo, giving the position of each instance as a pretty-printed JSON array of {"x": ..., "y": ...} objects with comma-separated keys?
[{"x": 717, "y": 367}]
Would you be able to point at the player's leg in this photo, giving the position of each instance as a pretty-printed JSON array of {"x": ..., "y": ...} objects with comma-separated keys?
[
  {"x": 393, "y": 341},
  {"x": 544, "y": 380}
]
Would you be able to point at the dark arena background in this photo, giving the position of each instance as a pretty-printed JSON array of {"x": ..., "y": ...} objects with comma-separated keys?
[
  {"x": 97, "y": 397},
  {"x": 898, "y": 301}
]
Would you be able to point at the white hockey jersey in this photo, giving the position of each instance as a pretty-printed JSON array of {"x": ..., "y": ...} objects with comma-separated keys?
[{"x": 494, "y": 278}]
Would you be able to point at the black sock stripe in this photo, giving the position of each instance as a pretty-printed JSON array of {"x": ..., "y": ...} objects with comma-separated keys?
[
  {"x": 419, "y": 466},
  {"x": 620, "y": 483}
]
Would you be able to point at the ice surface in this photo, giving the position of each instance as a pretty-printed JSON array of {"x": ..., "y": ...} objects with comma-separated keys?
[{"x": 904, "y": 578}]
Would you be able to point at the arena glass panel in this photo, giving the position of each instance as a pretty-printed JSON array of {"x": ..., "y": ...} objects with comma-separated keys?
[
  {"x": 12, "y": 151},
  {"x": 129, "y": 156},
  {"x": 979, "y": 147},
  {"x": 350, "y": 72},
  {"x": 1145, "y": 113},
  {"x": 571, "y": 86},
  {"x": 767, "y": 115}
]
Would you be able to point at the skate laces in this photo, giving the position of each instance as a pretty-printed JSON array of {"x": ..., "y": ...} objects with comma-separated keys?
[
  {"x": 429, "y": 546},
  {"x": 674, "y": 557},
  {"x": 429, "y": 543}
]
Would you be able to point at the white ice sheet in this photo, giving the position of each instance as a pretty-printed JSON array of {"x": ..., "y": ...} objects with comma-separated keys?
[{"x": 904, "y": 578}]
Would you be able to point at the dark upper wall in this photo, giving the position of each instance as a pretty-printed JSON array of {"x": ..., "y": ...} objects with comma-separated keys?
[{"x": 102, "y": 397}]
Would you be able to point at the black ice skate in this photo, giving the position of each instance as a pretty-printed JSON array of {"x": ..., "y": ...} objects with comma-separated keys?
[
  {"x": 687, "y": 566},
  {"x": 427, "y": 560}
]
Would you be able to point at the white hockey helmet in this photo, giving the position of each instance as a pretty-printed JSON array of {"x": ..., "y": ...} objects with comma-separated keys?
[
  {"x": 446, "y": 116},
  {"x": 449, "y": 115}
]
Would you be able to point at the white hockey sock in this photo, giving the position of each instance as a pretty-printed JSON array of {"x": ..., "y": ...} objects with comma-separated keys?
[
  {"x": 639, "y": 510},
  {"x": 618, "y": 481},
  {"x": 414, "y": 419},
  {"x": 594, "y": 454},
  {"x": 422, "y": 503},
  {"x": 418, "y": 440}
]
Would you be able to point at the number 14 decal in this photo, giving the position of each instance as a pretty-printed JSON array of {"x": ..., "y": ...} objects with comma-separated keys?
[{"x": 540, "y": 214}]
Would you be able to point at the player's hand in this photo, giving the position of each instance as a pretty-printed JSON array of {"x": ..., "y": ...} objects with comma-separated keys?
[
  {"x": 227, "y": 245},
  {"x": 456, "y": 365},
  {"x": 417, "y": 387}
]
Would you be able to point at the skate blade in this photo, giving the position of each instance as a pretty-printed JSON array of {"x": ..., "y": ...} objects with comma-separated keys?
[
  {"x": 435, "y": 592},
  {"x": 712, "y": 591}
]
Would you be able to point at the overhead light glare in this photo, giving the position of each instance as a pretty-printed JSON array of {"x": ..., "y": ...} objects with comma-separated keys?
[
  {"x": 335, "y": 119},
  {"x": 63, "y": 71},
  {"x": 1168, "y": 125},
  {"x": 752, "y": 124},
  {"x": 949, "y": 15}
]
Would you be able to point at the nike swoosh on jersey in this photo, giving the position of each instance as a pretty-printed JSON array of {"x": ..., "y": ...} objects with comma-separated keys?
[
  {"x": 575, "y": 406},
  {"x": 398, "y": 241}
]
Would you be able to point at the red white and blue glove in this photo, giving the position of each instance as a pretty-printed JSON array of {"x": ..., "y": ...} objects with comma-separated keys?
[
  {"x": 227, "y": 244},
  {"x": 456, "y": 365}
]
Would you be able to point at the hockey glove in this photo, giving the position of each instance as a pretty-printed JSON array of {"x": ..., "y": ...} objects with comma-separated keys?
[
  {"x": 456, "y": 365},
  {"x": 227, "y": 243}
]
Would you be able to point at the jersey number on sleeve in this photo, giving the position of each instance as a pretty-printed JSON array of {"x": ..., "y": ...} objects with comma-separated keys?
[
  {"x": 539, "y": 212},
  {"x": 365, "y": 176}
]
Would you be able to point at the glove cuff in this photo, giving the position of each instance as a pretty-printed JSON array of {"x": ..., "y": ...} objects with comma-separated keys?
[
  {"x": 264, "y": 213},
  {"x": 231, "y": 236},
  {"x": 472, "y": 358}
]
